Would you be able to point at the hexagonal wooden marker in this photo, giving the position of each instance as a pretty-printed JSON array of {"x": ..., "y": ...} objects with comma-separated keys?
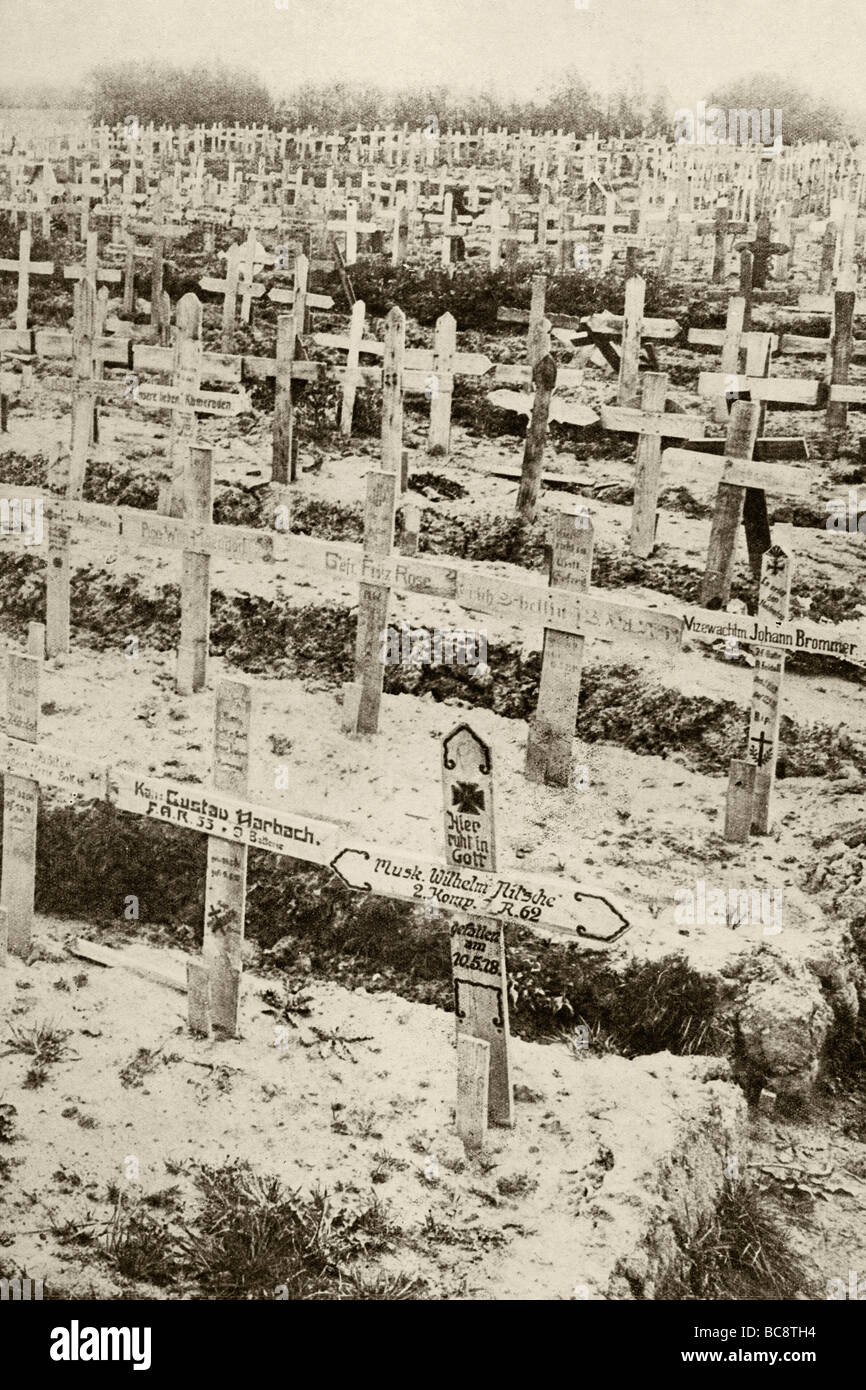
[{"x": 477, "y": 947}]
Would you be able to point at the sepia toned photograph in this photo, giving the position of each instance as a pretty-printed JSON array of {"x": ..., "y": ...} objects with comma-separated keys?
[{"x": 433, "y": 651}]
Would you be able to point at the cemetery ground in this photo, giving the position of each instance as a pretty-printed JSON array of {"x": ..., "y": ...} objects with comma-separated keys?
[{"x": 687, "y": 1023}]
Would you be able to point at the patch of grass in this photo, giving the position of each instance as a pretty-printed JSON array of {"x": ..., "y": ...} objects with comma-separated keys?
[
  {"x": 292, "y": 1001},
  {"x": 740, "y": 1251},
  {"x": 145, "y": 1061},
  {"x": 44, "y": 1041},
  {"x": 139, "y": 1246},
  {"x": 252, "y": 1237},
  {"x": 36, "y": 1077},
  {"x": 516, "y": 1185}
]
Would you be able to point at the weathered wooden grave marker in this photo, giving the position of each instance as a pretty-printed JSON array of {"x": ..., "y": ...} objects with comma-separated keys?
[
  {"x": 551, "y": 731},
  {"x": 628, "y": 389},
  {"x": 192, "y": 652},
  {"x": 647, "y": 469},
  {"x": 225, "y": 882},
  {"x": 773, "y": 606},
  {"x": 57, "y": 591},
  {"x": 392, "y": 391},
  {"x": 363, "y": 697},
  {"x": 186, "y": 377},
  {"x": 21, "y": 794},
  {"x": 444, "y": 349},
  {"x": 477, "y": 948},
  {"x": 544, "y": 381},
  {"x": 473, "y": 1090},
  {"x": 728, "y": 511}
]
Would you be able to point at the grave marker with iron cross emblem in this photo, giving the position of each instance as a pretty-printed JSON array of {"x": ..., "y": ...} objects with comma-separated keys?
[
  {"x": 773, "y": 605},
  {"x": 477, "y": 947}
]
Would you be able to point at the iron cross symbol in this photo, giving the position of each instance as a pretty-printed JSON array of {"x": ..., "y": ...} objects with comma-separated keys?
[
  {"x": 468, "y": 798},
  {"x": 761, "y": 740},
  {"x": 777, "y": 561}
]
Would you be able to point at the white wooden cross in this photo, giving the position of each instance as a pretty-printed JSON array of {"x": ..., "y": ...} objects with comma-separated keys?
[
  {"x": 159, "y": 232},
  {"x": 90, "y": 268},
  {"x": 352, "y": 227},
  {"x": 25, "y": 268}
]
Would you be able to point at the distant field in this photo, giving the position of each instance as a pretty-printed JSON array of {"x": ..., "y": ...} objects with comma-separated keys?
[{"x": 32, "y": 121}]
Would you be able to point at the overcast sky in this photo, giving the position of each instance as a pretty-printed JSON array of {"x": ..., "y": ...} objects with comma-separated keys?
[{"x": 509, "y": 45}]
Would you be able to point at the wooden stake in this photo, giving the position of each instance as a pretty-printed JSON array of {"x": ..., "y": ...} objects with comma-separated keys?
[
  {"x": 647, "y": 470},
  {"x": 828, "y": 259},
  {"x": 186, "y": 376},
  {"x": 57, "y": 592},
  {"x": 722, "y": 217},
  {"x": 83, "y": 334},
  {"x": 730, "y": 364},
  {"x": 551, "y": 732},
  {"x": 232, "y": 275},
  {"x": 444, "y": 348},
  {"x": 198, "y": 988},
  {"x": 728, "y": 511},
  {"x": 225, "y": 883},
  {"x": 283, "y": 436},
  {"x": 373, "y": 602},
  {"x": 628, "y": 389},
  {"x": 392, "y": 391},
  {"x": 352, "y": 374},
  {"x": 21, "y": 795},
  {"x": 773, "y": 606},
  {"x": 843, "y": 350},
  {"x": 544, "y": 381},
  {"x": 473, "y": 1073},
  {"x": 740, "y": 800},
  {"x": 536, "y": 336},
  {"x": 192, "y": 652},
  {"x": 746, "y": 288}
]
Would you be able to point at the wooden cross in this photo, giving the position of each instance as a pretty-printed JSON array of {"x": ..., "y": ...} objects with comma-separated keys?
[
  {"x": 228, "y": 288},
  {"x": 762, "y": 248},
  {"x": 90, "y": 268},
  {"x": 25, "y": 268},
  {"x": 352, "y": 228},
  {"x": 182, "y": 397},
  {"x": 87, "y": 192},
  {"x": 158, "y": 232}
]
